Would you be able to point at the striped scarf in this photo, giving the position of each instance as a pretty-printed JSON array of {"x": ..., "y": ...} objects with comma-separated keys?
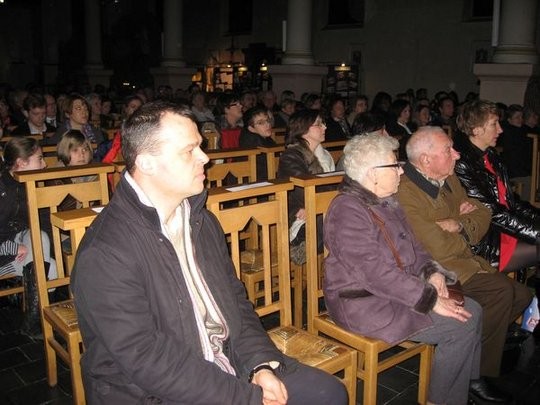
[{"x": 211, "y": 324}]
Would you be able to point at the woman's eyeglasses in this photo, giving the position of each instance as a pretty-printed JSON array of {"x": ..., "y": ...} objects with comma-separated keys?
[{"x": 396, "y": 165}]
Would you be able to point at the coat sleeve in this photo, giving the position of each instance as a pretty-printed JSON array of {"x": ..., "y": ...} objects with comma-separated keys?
[
  {"x": 292, "y": 163},
  {"x": 523, "y": 222},
  {"x": 111, "y": 299}
]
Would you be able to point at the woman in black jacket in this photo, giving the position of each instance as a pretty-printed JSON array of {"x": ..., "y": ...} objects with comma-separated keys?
[{"x": 513, "y": 239}]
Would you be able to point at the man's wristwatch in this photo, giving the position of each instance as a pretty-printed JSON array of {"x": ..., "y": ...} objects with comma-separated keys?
[{"x": 260, "y": 367}]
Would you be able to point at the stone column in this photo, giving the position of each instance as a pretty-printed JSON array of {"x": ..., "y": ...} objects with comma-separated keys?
[
  {"x": 97, "y": 74},
  {"x": 517, "y": 32},
  {"x": 298, "y": 50},
  {"x": 515, "y": 60},
  {"x": 298, "y": 71},
  {"x": 173, "y": 71}
]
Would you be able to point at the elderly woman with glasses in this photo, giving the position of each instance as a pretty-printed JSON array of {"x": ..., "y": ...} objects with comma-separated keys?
[
  {"x": 380, "y": 282},
  {"x": 303, "y": 154}
]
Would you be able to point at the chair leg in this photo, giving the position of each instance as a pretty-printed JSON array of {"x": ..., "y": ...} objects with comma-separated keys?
[
  {"x": 75, "y": 367},
  {"x": 50, "y": 355},
  {"x": 371, "y": 370},
  {"x": 349, "y": 377},
  {"x": 426, "y": 358},
  {"x": 298, "y": 286}
]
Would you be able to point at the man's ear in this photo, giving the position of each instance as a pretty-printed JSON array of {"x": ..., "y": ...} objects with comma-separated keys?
[
  {"x": 145, "y": 164},
  {"x": 424, "y": 159},
  {"x": 251, "y": 128},
  {"x": 25, "y": 113}
]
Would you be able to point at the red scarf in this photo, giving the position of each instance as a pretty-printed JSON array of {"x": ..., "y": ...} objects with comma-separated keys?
[{"x": 508, "y": 243}]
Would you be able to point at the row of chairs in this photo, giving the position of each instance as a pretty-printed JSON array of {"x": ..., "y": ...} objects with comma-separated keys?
[{"x": 270, "y": 215}]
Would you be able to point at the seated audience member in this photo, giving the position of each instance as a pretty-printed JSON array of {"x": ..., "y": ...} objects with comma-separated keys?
[
  {"x": 513, "y": 239},
  {"x": 269, "y": 100},
  {"x": 257, "y": 131},
  {"x": 530, "y": 121},
  {"x": 94, "y": 102},
  {"x": 445, "y": 113},
  {"x": 448, "y": 222},
  {"x": 16, "y": 257},
  {"x": 76, "y": 117},
  {"x": 248, "y": 99},
  {"x": 107, "y": 117},
  {"x": 73, "y": 150},
  {"x": 401, "y": 294},
  {"x": 359, "y": 105},
  {"x": 199, "y": 108},
  {"x": 281, "y": 118},
  {"x": 337, "y": 127},
  {"x": 16, "y": 100},
  {"x": 51, "y": 113},
  {"x": 421, "y": 117},
  {"x": 303, "y": 154},
  {"x": 131, "y": 104},
  {"x": 35, "y": 108},
  {"x": 6, "y": 121},
  {"x": 368, "y": 122},
  {"x": 287, "y": 95},
  {"x": 381, "y": 104},
  {"x": 229, "y": 122},
  {"x": 313, "y": 102},
  {"x": 397, "y": 123},
  {"x": 174, "y": 311},
  {"x": 517, "y": 148}
]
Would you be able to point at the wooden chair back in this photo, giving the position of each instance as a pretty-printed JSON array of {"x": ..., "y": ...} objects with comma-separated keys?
[
  {"x": 370, "y": 361},
  {"x": 240, "y": 163},
  {"x": 212, "y": 139},
  {"x": 278, "y": 135},
  {"x": 272, "y": 158},
  {"x": 267, "y": 214},
  {"x": 535, "y": 173},
  {"x": 43, "y": 196},
  {"x": 335, "y": 148}
]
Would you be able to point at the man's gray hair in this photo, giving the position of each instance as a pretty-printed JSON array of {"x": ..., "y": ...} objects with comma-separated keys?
[
  {"x": 421, "y": 142},
  {"x": 363, "y": 152}
]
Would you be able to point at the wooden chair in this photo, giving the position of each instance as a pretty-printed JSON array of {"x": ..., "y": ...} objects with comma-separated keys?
[
  {"x": 535, "y": 173},
  {"x": 6, "y": 139},
  {"x": 17, "y": 288},
  {"x": 59, "y": 319},
  {"x": 240, "y": 163},
  {"x": 212, "y": 138},
  {"x": 374, "y": 356},
  {"x": 272, "y": 213}
]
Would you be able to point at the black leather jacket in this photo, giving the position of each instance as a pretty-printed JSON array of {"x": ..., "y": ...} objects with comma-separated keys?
[{"x": 520, "y": 219}]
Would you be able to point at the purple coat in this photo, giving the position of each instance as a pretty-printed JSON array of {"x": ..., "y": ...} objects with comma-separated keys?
[{"x": 365, "y": 290}]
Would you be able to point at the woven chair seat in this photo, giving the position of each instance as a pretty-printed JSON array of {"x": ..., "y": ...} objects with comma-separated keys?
[
  {"x": 305, "y": 347},
  {"x": 65, "y": 312}
]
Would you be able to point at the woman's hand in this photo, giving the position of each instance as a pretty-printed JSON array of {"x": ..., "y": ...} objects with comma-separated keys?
[
  {"x": 438, "y": 281},
  {"x": 449, "y": 308},
  {"x": 22, "y": 251},
  {"x": 301, "y": 214},
  {"x": 274, "y": 391}
]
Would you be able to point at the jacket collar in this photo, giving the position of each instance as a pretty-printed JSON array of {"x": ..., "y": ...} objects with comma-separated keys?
[
  {"x": 127, "y": 196},
  {"x": 424, "y": 184},
  {"x": 352, "y": 187}
]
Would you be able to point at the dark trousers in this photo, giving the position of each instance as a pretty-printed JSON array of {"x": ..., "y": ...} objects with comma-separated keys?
[
  {"x": 502, "y": 300},
  {"x": 310, "y": 386}
]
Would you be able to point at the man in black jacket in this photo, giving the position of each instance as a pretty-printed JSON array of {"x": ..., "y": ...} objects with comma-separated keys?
[{"x": 163, "y": 317}]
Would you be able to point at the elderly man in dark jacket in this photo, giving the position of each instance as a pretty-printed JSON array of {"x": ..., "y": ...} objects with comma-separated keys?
[{"x": 162, "y": 315}]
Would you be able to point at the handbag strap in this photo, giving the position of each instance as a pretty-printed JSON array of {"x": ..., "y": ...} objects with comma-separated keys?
[{"x": 379, "y": 221}]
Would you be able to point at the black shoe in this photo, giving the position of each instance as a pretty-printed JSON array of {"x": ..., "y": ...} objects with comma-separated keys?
[{"x": 481, "y": 391}]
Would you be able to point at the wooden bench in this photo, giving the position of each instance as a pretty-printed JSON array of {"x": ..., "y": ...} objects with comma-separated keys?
[
  {"x": 374, "y": 356},
  {"x": 240, "y": 163}
]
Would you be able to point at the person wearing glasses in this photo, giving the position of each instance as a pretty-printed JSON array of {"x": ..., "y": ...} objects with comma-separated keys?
[
  {"x": 229, "y": 122},
  {"x": 257, "y": 131},
  {"x": 303, "y": 154},
  {"x": 380, "y": 282},
  {"x": 449, "y": 223}
]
